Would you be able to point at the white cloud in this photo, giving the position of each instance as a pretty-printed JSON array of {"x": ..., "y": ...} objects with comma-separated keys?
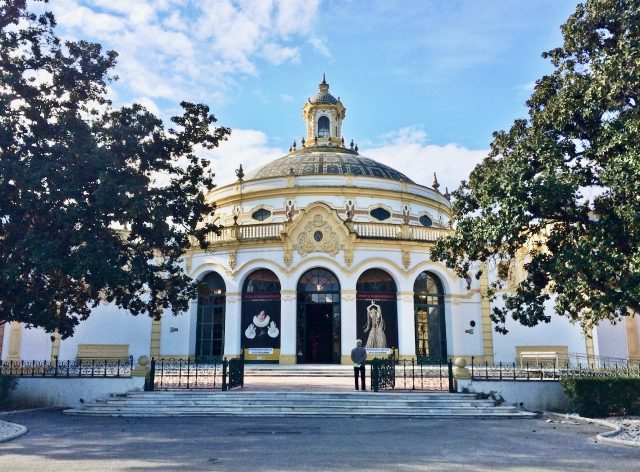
[
  {"x": 320, "y": 46},
  {"x": 196, "y": 50},
  {"x": 245, "y": 146},
  {"x": 407, "y": 151}
]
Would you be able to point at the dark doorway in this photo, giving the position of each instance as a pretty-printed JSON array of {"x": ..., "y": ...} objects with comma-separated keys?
[
  {"x": 319, "y": 348},
  {"x": 318, "y": 319}
]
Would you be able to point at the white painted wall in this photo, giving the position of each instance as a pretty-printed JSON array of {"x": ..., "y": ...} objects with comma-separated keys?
[
  {"x": 612, "y": 340},
  {"x": 532, "y": 395},
  {"x": 35, "y": 345},
  {"x": 72, "y": 393}
]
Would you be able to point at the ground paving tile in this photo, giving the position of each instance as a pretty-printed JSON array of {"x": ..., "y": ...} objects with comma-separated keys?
[{"x": 58, "y": 442}]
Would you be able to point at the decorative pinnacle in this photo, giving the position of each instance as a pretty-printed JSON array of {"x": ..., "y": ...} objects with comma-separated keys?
[
  {"x": 240, "y": 173},
  {"x": 324, "y": 81},
  {"x": 435, "y": 184}
]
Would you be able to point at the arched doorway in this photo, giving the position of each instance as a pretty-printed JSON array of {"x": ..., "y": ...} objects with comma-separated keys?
[
  {"x": 210, "y": 320},
  {"x": 428, "y": 302},
  {"x": 261, "y": 317},
  {"x": 377, "y": 312},
  {"x": 318, "y": 318}
]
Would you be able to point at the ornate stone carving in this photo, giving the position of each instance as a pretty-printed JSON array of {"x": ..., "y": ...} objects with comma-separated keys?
[
  {"x": 287, "y": 257},
  {"x": 348, "y": 257},
  {"x": 318, "y": 236},
  {"x": 232, "y": 260},
  {"x": 406, "y": 259}
]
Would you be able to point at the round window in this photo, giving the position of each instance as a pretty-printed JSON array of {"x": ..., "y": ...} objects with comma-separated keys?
[
  {"x": 425, "y": 221},
  {"x": 261, "y": 214},
  {"x": 380, "y": 214},
  {"x": 317, "y": 236}
]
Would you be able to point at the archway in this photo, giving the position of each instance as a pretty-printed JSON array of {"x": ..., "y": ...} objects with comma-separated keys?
[
  {"x": 377, "y": 312},
  {"x": 210, "y": 319},
  {"x": 318, "y": 318},
  {"x": 261, "y": 317},
  {"x": 428, "y": 302}
]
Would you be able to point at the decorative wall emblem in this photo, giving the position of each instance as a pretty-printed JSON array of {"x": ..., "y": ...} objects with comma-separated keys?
[
  {"x": 232, "y": 260},
  {"x": 318, "y": 236},
  {"x": 406, "y": 259}
]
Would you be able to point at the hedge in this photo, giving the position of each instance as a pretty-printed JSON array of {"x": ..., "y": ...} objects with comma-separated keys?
[
  {"x": 7, "y": 385},
  {"x": 598, "y": 397}
]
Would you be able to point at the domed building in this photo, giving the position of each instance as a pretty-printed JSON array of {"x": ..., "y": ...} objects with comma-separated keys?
[{"x": 321, "y": 247}]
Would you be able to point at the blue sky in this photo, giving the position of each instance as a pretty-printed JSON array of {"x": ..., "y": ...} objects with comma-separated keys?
[{"x": 425, "y": 83}]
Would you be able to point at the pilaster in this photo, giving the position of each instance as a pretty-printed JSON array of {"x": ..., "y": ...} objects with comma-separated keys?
[
  {"x": 633, "y": 341},
  {"x": 156, "y": 333},
  {"x": 232, "y": 324},
  {"x": 485, "y": 307},
  {"x": 288, "y": 326},
  {"x": 348, "y": 324},
  {"x": 15, "y": 339},
  {"x": 406, "y": 325},
  {"x": 55, "y": 346}
]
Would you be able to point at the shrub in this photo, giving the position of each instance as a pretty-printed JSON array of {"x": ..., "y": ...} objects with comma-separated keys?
[
  {"x": 603, "y": 396},
  {"x": 8, "y": 384}
]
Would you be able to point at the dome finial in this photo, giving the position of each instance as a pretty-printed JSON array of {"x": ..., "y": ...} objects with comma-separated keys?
[
  {"x": 324, "y": 80},
  {"x": 435, "y": 184}
]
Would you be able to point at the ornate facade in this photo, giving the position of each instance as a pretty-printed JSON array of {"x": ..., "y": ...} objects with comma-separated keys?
[{"x": 321, "y": 247}]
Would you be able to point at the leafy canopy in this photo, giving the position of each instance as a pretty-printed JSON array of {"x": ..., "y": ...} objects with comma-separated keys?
[
  {"x": 96, "y": 203},
  {"x": 561, "y": 189}
]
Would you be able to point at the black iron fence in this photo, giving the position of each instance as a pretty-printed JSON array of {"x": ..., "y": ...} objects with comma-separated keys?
[
  {"x": 412, "y": 374},
  {"x": 552, "y": 370},
  {"x": 198, "y": 373},
  {"x": 68, "y": 369}
]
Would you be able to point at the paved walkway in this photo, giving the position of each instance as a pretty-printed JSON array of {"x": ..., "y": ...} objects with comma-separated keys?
[{"x": 58, "y": 442}]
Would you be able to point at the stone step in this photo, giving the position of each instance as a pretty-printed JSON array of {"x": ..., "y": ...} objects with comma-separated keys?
[
  {"x": 412, "y": 413},
  {"x": 235, "y": 394},
  {"x": 321, "y": 404}
]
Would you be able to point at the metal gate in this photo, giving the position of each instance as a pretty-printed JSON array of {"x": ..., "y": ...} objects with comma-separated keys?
[
  {"x": 412, "y": 374},
  {"x": 197, "y": 373}
]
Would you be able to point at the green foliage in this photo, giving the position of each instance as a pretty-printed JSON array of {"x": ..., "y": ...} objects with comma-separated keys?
[
  {"x": 7, "y": 385},
  {"x": 96, "y": 203},
  {"x": 561, "y": 189},
  {"x": 597, "y": 397}
]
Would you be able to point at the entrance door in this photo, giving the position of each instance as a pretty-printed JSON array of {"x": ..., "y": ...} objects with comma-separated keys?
[
  {"x": 318, "y": 319},
  {"x": 319, "y": 342}
]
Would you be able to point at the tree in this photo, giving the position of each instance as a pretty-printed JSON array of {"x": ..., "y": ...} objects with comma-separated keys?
[
  {"x": 562, "y": 187},
  {"x": 84, "y": 216}
]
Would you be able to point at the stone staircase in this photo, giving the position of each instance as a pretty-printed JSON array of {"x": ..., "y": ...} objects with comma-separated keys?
[{"x": 299, "y": 404}]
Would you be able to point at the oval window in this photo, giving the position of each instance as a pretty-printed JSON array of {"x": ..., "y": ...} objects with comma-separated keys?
[
  {"x": 380, "y": 214},
  {"x": 425, "y": 221},
  {"x": 261, "y": 214}
]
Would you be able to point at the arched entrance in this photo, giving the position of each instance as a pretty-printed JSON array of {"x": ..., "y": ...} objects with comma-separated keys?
[
  {"x": 318, "y": 318},
  {"x": 377, "y": 312},
  {"x": 210, "y": 320},
  {"x": 428, "y": 302},
  {"x": 261, "y": 317}
]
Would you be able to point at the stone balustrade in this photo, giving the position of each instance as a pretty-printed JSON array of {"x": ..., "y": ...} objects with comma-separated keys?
[{"x": 362, "y": 230}]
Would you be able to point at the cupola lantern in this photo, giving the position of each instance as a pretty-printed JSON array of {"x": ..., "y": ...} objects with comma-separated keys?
[{"x": 323, "y": 115}]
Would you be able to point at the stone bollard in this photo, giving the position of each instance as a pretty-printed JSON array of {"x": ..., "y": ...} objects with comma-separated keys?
[
  {"x": 142, "y": 368},
  {"x": 460, "y": 371}
]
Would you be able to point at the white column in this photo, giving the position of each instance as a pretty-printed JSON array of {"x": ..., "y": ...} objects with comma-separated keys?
[
  {"x": 232, "y": 328},
  {"x": 406, "y": 325},
  {"x": 288, "y": 327},
  {"x": 348, "y": 324}
]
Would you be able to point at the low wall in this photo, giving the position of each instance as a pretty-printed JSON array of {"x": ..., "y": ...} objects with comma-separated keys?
[
  {"x": 72, "y": 392},
  {"x": 533, "y": 395}
]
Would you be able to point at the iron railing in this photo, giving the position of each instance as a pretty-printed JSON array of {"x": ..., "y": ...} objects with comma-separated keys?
[
  {"x": 412, "y": 374},
  {"x": 68, "y": 369},
  {"x": 551, "y": 370},
  {"x": 195, "y": 373}
]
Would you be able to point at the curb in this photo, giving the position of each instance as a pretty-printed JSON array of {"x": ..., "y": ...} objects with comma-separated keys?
[
  {"x": 607, "y": 436},
  {"x": 28, "y": 410},
  {"x": 21, "y": 431}
]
